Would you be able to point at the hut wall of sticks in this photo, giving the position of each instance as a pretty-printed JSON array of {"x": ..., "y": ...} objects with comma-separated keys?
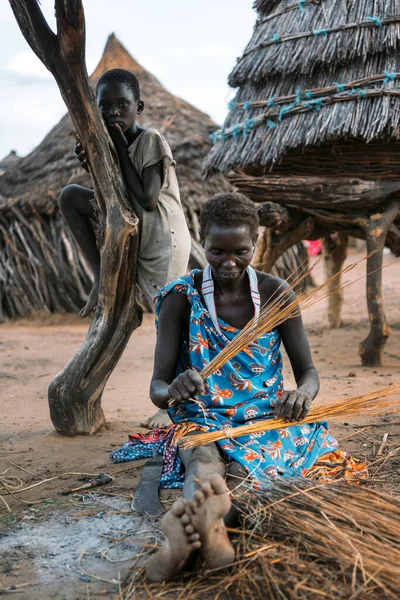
[
  {"x": 41, "y": 266},
  {"x": 314, "y": 133}
]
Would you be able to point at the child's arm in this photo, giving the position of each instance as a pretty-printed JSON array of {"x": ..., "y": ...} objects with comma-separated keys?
[
  {"x": 145, "y": 191},
  {"x": 172, "y": 323}
]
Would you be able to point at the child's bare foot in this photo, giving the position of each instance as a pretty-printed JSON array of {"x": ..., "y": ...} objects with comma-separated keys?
[
  {"x": 181, "y": 541},
  {"x": 206, "y": 511},
  {"x": 92, "y": 301},
  {"x": 159, "y": 419}
]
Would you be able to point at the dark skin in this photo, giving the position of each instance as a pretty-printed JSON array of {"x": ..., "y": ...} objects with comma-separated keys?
[
  {"x": 229, "y": 251},
  {"x": 119, "y": 109},
  {"x": 206, "y": 503}
]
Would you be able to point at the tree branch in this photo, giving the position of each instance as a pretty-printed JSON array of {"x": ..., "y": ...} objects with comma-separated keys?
[{"x": 36, "y": 31}]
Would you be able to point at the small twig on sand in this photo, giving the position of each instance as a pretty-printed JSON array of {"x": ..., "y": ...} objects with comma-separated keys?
[
  {"x": 6, "y": 504},
  {"x": 22, "y": 468},
  {"x": 381, "y": 447},
  {"x": 15, "y": 589}
]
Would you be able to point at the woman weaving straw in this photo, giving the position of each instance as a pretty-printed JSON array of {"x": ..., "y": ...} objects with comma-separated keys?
[{"x": 198, "y": 315}]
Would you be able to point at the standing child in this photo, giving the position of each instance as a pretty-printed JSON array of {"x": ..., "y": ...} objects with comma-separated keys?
[{"x": 148, "y": 169}]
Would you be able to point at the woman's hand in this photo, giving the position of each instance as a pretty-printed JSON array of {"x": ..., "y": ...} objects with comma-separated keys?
[
  {"x": 81, "y": 154},
  {"x": 185, "y": 386},
  {"x": 293, "y": 405}
]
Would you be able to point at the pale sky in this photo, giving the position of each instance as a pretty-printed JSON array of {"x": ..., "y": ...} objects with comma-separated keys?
[{"x": 190, "y": 46}]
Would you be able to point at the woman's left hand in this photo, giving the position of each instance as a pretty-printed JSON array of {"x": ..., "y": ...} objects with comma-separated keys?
[{"x": 293, "y": 405}]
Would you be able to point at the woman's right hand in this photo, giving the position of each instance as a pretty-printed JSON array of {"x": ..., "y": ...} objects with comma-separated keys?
[
  {"x": 185, "y": 386},
  {"x": 81, "y": 154}
]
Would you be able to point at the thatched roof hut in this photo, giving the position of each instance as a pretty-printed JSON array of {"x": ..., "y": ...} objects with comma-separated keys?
[
  {"x": 38, "y": 178},
  {"x": 316, "y": 74},
  {"x": 315, "y": 123},
  {"x": 40, "y": 265}
]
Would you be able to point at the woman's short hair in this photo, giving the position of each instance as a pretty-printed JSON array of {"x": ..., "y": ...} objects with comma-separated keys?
[{"x": 229, "y": 209}]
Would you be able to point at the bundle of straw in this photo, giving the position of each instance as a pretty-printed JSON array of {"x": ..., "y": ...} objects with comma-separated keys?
[
  {"x": 373, "y": 403},
  {"x": 282, "y": 305},
  {"x": 298, "y": 540}
]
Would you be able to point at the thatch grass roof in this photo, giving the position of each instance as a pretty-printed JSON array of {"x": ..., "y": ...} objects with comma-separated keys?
[
  {"x": 37, "y": 178},
  {"x": 290, "y": 92}
]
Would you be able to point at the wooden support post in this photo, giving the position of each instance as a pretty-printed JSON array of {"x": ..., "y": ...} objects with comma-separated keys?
[
  {"x": 335, "y": 252},
  {"x": 281, "y": 230},
  {"x": 75, "y": 393},
  {"x": 376, "y": 228}
]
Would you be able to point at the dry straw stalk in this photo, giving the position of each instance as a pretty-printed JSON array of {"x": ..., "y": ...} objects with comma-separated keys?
[{"x": 375, "y": 402}]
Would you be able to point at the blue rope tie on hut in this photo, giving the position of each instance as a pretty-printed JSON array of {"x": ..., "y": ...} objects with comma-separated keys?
[
  {"x": 309, "y": 95},
  {"x": 271, "y": 102},
  {"x": 320, "y": 32},
  {"x": 284, "y": 110},
  {"x": 318, "y": 103},
  {"x": 271, "y": 124},
  {"x": 390, "y": 76},
  {"x": 236, "y": 129},
  {"x": 301, "y": 5},
  {"x": 214, "y": 136},
  {"x": 339, "y": 86},
  {"x": 232, "y": 104},
  {"x": 247, "y": 104},
  {"x": 275, "y": 38},
  {"x": 299, "y": 96},
  {"x": 375, "y": 20},
  {"x": 248, "y": 126}
]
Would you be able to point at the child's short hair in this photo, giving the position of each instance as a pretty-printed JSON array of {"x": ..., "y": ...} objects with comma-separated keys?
[
  {"x": 227, "y": 209},
  {"x": 122, "y": 76}
]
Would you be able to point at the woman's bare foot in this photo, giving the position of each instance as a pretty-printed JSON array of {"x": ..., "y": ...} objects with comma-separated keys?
[
  {"x": 181, "y": 541},
  {"x": 159, "y": 419},
  {"x": 206, "y": 511},
  {"x": 92, "y": 301}
]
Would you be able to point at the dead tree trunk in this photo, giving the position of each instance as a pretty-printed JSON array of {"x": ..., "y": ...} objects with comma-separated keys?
[
  {"x": 75, "y": 393},
  {"x": 335, "y": 255},
  {"x": 376, "y": 228}
]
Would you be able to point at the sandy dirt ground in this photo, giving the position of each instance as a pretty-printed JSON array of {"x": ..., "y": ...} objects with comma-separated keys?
[{"x": 81, "y": 545}]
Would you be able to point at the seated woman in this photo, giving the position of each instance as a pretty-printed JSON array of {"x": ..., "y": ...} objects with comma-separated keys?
[{"x": 198, "y": 315}]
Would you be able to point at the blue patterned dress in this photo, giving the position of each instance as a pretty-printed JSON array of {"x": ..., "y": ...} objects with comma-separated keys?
[{"x": 243, "y": 391}]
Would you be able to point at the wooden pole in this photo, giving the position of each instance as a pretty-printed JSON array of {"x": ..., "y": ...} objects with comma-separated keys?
[{"x": 75, "y": 393}]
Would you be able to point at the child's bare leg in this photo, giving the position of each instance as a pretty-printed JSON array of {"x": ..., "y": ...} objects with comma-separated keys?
[
  {"x": 209, "y": 503},
  {"x": 74, "y": 202},
  {"x": 181, "y": 541}
]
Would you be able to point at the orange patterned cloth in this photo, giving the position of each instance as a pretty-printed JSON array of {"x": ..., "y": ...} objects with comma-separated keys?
[{"x": 337, "y": 465}]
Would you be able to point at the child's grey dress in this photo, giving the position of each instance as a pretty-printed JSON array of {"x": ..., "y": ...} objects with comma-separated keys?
[{"x": 164, "y": 246}]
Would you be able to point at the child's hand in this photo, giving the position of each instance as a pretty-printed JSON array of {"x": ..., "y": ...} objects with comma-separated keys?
[
  {"x": 185, "y": 386},
  {"x": 293, "y": 406},
  {"x": 117, "y": 136},
  {"x": 81, "y": 154}
]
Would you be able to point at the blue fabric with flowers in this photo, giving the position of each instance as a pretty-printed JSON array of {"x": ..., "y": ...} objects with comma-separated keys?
[{"x": 243, "y": 391}]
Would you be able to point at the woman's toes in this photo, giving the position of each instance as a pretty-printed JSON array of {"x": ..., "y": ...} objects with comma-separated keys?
[
  {"x": 198, "y": 496},
  {"x": 191, "y": 506},
  {"x": 218, "y": 484},
  {"x": 185, "y": 520},
  {"x": 178, "y": 508},
  {"x": 206, "y": 489},
  {"x": 194, "y": 537},
  {"x": 189, "y": 529}
]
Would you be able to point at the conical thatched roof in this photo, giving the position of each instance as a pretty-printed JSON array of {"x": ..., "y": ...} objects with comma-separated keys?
[
  {"x": 9, "y": 160},
  {"x": 37, "y": 178},
  {"x": 299, "y": 86}
]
